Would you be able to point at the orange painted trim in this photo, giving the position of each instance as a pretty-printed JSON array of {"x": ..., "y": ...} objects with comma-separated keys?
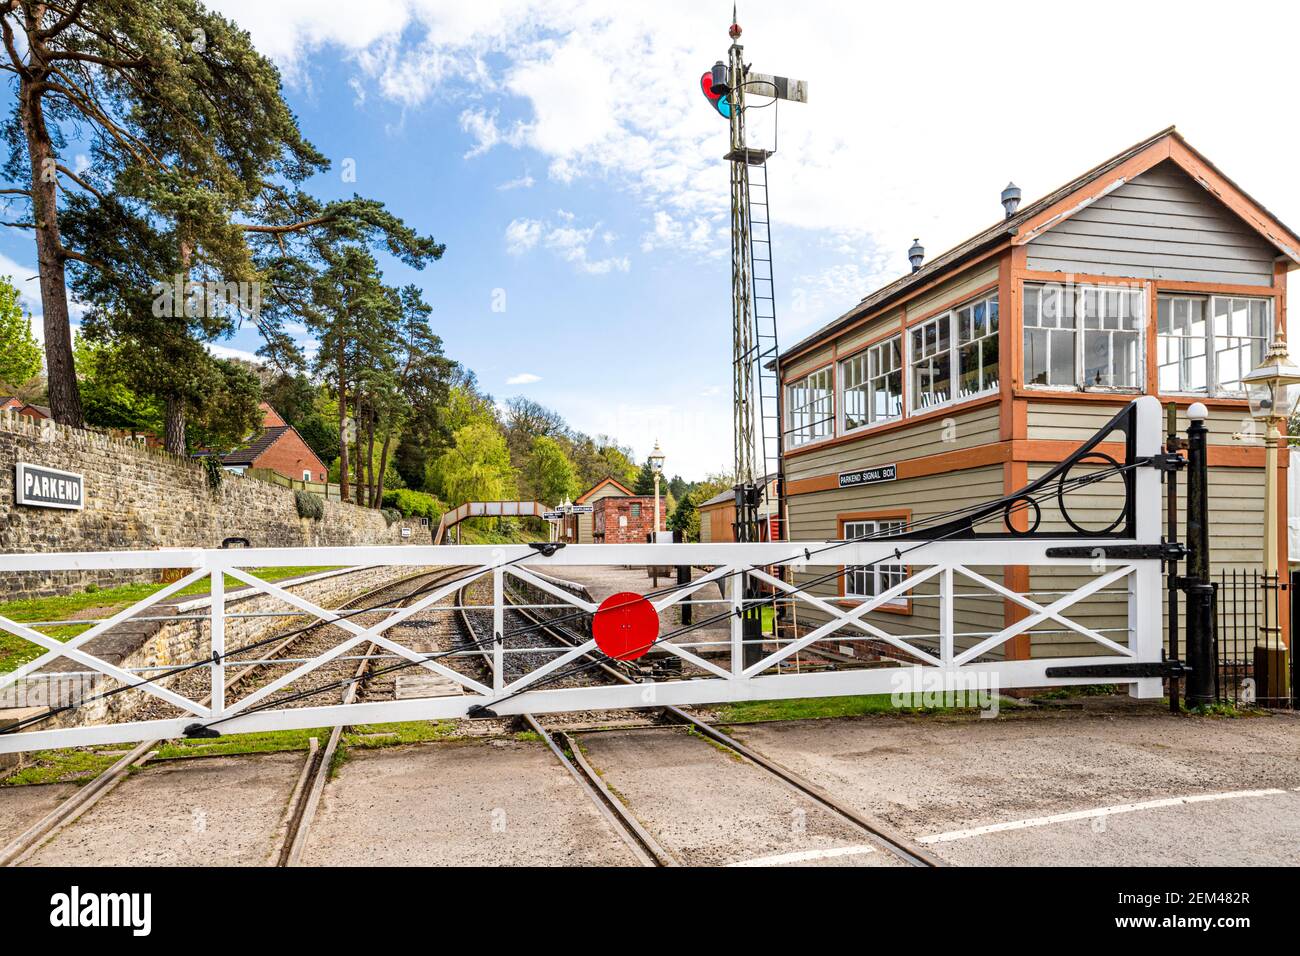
[
  {"x": 981, "y": 401},
  {"x": 1217, "y": 288},
  {"x": 1049, "y": 450},
  {"x": 902, "y": 300},
  {"x": 610, "y": 480},
  {"x": 1235, "y": 199},
  {"x": 1082, "y": 278},
  {"x": 1015, "y": 475},
  {"x": 1123, "y": 398},
  {"x": 906, "y": 515},
  {"x": 1015, "y": 452}
]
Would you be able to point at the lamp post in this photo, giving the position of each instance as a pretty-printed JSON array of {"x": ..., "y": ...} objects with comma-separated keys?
[
  {"x": 1272, "y": 389},
  {"x": 656, "y": 466}
]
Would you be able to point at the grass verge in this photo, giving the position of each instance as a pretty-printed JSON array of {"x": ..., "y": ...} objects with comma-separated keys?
[{"x": 817, "y": 708}]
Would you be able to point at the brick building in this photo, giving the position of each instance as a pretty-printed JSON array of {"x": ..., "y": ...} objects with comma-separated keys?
[
  {"x": 626, "y": 519},
  {"x": 278, "y": 447},
  {"x": 16, "y": 406},
  {"x": 578, "y": 528}
]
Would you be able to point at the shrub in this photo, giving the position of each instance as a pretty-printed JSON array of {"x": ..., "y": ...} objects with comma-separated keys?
[
  {"x": 309, "y": 505},
  {"x": 391, "y": 515},
  {"x": 212, "y": 468},
  {"x": 414, "y": 504}
]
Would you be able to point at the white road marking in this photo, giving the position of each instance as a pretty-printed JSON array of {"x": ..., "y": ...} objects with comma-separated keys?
[
  {"x": 1098, "y": 812},
  {"x": 806, "y": 855}
]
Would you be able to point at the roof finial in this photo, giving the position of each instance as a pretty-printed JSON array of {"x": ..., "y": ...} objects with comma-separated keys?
[{"x": 734, "y": 32}]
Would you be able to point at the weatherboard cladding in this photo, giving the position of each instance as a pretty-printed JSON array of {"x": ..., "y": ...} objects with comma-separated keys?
[{"x": 1161, "y": 225}]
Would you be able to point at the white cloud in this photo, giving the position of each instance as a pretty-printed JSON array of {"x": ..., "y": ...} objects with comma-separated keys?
[
  {"x": 895, "y": 146},
  {"x": 523, "y": 378},
  {"x": 525, "y": 181},
  {"x": 570, "y": 242},
  {"x": 226, "y": 352},
  {"x": 482, "y": 125},
  {"x": 522, "y": 235}
]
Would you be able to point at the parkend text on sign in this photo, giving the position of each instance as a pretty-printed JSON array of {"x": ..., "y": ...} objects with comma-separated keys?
[
  {"x": 41, "y": 487},
  {"x": 868, "y": 476}
]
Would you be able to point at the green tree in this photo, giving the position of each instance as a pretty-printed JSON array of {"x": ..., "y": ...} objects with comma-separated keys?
[
  {"x": 20, "y": 355},
  {"x": 475, "y": 468},
  {"x": 230, "y": 410},
  {"x": 188, "y": 128},
  {"x": 548, "y": 474},
  {"x": 645, "y": 480},
  {"x": 686, "y": 516},
  {"x": 107, "y": 397}
]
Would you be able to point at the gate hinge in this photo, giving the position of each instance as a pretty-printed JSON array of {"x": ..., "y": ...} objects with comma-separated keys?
[
  {"x": 1165, "y": 551},
  {"x": 1135, "y": 670},
  {"x": 1165, "y": 462}
]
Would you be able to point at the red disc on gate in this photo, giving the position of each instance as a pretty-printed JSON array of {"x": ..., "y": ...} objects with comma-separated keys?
[{"x": 625, "y": 625}]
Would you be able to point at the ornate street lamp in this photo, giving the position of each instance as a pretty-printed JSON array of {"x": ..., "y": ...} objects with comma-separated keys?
[
  {"x": 656, "y": 459},
  {"x": 1272, "y": 388}
]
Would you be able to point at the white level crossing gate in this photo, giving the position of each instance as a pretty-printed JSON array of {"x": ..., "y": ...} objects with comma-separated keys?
[{"x": 1094, "y": 602}]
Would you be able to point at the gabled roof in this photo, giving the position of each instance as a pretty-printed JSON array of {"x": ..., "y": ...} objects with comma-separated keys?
[
  {"x": 604, "y": 482},
  {"x": 256, "y": 448},
  {"x": 1060, "y": 204}
]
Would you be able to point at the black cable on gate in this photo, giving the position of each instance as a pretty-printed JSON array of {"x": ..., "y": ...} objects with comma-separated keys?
[
  {"x": 1014, "y": 505},
  {"x": 484, "y": 710},
  {"x": 217, "y": 658}
]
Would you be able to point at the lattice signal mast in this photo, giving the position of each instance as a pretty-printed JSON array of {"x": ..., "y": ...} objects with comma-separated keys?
[{"x": 756, "y": 379}]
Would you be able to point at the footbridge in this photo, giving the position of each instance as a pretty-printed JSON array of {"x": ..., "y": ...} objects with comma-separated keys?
[{"x": 487, "y": 509}]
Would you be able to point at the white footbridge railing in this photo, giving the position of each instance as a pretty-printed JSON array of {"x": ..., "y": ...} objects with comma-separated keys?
[{"x": 944, "y": 610}]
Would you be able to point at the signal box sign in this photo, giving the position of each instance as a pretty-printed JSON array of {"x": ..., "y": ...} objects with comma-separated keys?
[
  {"x": 40, "y": 487},
  {"x": 868, "y": 476}
]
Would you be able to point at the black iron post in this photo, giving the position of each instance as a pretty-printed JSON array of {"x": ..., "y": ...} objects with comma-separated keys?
[
  {"x": 1171, "y": 535},
  {"x": 747, "y": 497},
  {"x": 1197, "y": 585},
  {"x": 683, "y": 579}
]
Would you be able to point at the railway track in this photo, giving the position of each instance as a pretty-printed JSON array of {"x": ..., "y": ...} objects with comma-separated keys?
[
  {"x": 643, "y": 845},
  {"x": 301, "y": 640},
  {"x": 890, "y": 840}
]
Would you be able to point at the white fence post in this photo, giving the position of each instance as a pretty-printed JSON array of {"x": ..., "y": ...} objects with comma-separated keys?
[
  {"x": 498, "y": 630},
  {"x": 946, "y": 601},
  {"x": 218, "y": 632},
  {"x": 736, "y": 582}
]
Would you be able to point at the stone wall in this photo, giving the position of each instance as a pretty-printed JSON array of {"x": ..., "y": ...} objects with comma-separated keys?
[{"x": 138, "y": 498}]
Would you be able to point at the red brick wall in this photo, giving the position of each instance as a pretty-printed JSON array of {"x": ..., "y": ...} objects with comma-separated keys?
[
  {"x": 290, "y": 457},
  {"x": 609, "y": 530}
]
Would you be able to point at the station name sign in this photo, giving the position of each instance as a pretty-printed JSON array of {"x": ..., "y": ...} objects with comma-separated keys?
[
  {"x": 868, "y": 476},
  {"x": 41, "y": 487}
]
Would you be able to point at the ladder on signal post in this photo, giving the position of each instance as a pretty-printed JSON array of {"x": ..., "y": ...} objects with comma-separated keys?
[{"x": 764, "y": 351}]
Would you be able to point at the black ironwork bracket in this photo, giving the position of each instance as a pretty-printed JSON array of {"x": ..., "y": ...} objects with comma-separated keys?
[
  {"x": 1165, "y": 462},
  {"x": 547, "y": 548},
  {"x": 1135, "y": 670},
  {"x": 1165, "y": 551},
  {"x": 1027, "y": 499}
]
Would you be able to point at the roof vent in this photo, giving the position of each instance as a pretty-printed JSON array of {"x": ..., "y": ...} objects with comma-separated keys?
[
  {"x": 1011, "y": 199},
  {"x": 916, "y": 255}
]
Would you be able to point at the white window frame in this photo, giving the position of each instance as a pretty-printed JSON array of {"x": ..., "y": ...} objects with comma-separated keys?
[
  {"x": 948, "y": 319},
  {"x": 884, "y": 575},
  {"x": 1209, "y": 302},
  {"x": 867, "y": 360},
  {"x": 1078, "y": 293},
  {"x": 793, "y": 433},
  {"x": 306, "y": 474}
]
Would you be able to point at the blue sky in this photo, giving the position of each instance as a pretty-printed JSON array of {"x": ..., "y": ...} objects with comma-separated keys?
[{"x": 562, "y": 151}]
